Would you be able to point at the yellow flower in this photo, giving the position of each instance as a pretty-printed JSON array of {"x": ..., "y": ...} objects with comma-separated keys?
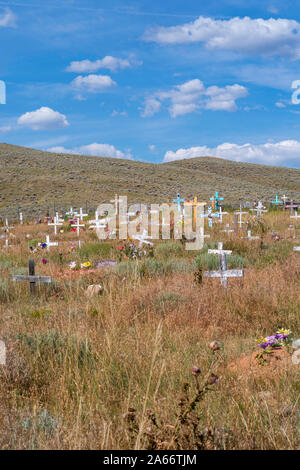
[
  {"x": 283, "y": 331},
  {"x": 87, "y": 264},
  {"x": 261, "y": 340}
]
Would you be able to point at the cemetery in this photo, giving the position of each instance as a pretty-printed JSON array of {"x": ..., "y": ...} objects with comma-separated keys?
[
  {"x": 95, "y": 324},
  {"x": 149, "y": 230}
]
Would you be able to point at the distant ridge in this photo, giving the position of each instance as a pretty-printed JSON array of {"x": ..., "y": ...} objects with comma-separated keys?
[{"x": 33, "y": 180}]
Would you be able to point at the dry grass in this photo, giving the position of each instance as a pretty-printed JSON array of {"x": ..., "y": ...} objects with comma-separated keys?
[{"x": 114, "y": 371}]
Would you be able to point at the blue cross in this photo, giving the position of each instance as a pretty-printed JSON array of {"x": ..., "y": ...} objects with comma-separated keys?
[
  {"x": 277, "y": 202},
  {"x": 210, "y": 214},
  {"x": 216, "y": 198},
  {"x": 178, "y": 200}
]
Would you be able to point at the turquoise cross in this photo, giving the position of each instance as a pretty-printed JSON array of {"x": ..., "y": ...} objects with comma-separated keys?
[
  {"x": 179, "y": 201},
  {"x": 216, "y": 199},
  {"x": 277, "y": 202}
]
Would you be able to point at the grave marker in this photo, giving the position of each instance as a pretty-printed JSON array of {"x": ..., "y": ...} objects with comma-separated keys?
[
  {"x": 55, "y": 223},
  {"x": 215, "y": 200},
  {"x": 223, "y": 273},
  {"x": 179, "y": 201},
  {"x": 240, "y": 213},
  {"x": 32, "y": 278},
  {"x": 77, "y": 225},
  {"x": 251, "y": 237},
  {"x": 49, "y": 243},
  {"x": 2, "y": 353},
  {"x": 277, "y": 202}
]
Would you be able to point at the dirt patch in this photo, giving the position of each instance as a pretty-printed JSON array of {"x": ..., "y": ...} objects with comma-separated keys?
[{"x": 278, "y": 359}]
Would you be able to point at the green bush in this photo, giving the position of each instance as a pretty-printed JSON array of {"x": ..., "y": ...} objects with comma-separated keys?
[
  {"x": 168, "y": 249},
  {"x": 93, "y": 250}
]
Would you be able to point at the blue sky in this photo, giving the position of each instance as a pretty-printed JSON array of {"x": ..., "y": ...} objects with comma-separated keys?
[{"x": 153, "y": 81}]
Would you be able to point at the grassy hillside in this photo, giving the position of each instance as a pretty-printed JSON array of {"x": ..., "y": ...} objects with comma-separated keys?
[{"x": 33, "y": 180}]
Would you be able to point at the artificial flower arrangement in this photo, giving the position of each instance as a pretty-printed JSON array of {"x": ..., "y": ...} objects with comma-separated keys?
[
  {"x": 268, "y": 344},
  {"x": 73, "y": 265}
]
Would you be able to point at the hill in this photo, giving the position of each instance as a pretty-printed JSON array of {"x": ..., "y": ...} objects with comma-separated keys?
[{"x": 35, "y": 180}]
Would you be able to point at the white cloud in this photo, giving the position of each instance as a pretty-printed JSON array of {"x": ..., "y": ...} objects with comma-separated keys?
[
  {"x": 43, "y": 118},
  {"x": 5, "y": 128},
  {"x": 152, "y": 148},
  {"x": 192, "y": 96},
  {"x": 119, "y": 113},
  {"x": 93, "y": 83},
  {"x": 152, "y": 106},
  {"x": 8, "y": 19},
  {"x": 95, "y": 150},
  {"x": 279, "y": 104},
  {"x": 269, "y": 153},
  {"x": 244, "y": 35},
  {"x": 108, "y": 62}
]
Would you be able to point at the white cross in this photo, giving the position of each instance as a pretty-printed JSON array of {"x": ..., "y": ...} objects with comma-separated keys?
[
  {"x": 81, "y": 214},
  {"x": 21, "y": 218},
  {"x": 70, "y": 212},
  {"x": 6, "y": 244},
  {"x": 221, "y": 215},
  {"x": 98, "y": 224},
  {"x": 296, "y": 216},
  {"x": 240, "y": 213},
  {"x": 228, "y": 229},
  {"x": 259, "y": 209},
  {"x": 49, "y": 243},
  {"x": 223, "y": 273},
  {"x": 77, "y": 225},
  {"x": 143, "y": 239},
  {"x": 250, "y": 237},
  {"x": 296, "y": 248},
  {"x": 56, "y": 224},
  {"x": 58, "y": 219},
  {"x": 220, "y": 250},
  {"x": 284, "y": 198}
]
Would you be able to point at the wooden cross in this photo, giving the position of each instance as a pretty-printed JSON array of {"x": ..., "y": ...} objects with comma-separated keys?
[
  {"x": 292, "y": 205},
  {"x": 240, "y": 213},
  {"x": 277, "y": 202},
  {"x": 215, "y": 200},
  {"x": 223, "y": 273},
  {"x": 32, "y": 279},
  {"x": 77, "y": 225},
  {"x": 194, "y": 205},
  {"x": 56, "y": 224},
  {"x": 179, "y": 201},
  {"x": 49, "y": 243}
]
